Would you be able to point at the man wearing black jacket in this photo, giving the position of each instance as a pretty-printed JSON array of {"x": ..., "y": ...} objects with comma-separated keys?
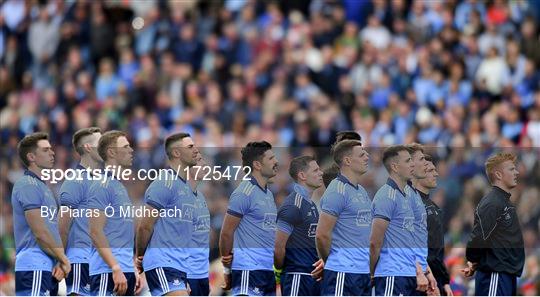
[
  {"x": 435, "y": 229},
  {"x": 495, "y": 250}
]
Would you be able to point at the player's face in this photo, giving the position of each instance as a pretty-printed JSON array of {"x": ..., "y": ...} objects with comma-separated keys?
[
  {"x": 124, "y": 152},
  {"x": 359, "y": 160},
  {"x": 93, "y": 147},
  {"x": 44, "y": 155},
  {"x": 509, "y": 174},
  {"x": 269, "y": 164},
  {"x": 200, "y": 162},
  {"x": 188, "y": 152},
  {"x": 314, "y": 175},
  {"x": 420, "y": 165},
  {"x": 404, "y": 165},
  {"x": 430, "y": 181}
]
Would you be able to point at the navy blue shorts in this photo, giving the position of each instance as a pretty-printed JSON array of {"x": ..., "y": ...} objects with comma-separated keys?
[
  {"x": 395, "y": 286},
  {"x": 495, "y": 284},
  {"x": 199, "y": 286},
  {"x": 102, "y": 284},
  {"x": 299, "y": 284},
  {"x": 162, "y": 280},
  {"x": 78, "y": 280},
  {"x": 33, "y": 283},
  {"x": 253, "y": 282},
  {"x": 345, "y": 284}
]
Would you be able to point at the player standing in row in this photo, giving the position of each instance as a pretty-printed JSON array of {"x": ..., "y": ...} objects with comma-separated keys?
[
  {"x": 330, "y": 173},
  {"x": 435, "y": 229},
  {"x": 37, "y": 241},
  {"x": 250, "y": 226},
  {"x": 113, "y": 236},
  {"x": 295, "y": 255},
  {"x": 344, "y": 225},
  {"x": 496, "y": 250},
  {"x": 420, "y": 219},
  {"x": 163, "y": 244},
  {"x": 197, "y": 273},
  {"x": 392, "y": 257},
  {"x": 73, "y": 194}
]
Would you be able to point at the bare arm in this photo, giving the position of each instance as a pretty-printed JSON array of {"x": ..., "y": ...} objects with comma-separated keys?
[
  {"x": 64, "y": 224},
  {"x": 323, "y": 236},
  {"x": 226, "y": 238},
  {"x": 279, "y": 250},
  {"x": 144, "y": 232},
  {"x": 43, "y": 236},
  {"x": 378, "y": 229}
]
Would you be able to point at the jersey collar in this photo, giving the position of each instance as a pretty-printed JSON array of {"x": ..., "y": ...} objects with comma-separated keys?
[
  {"x": 394, "y": 185},
  {"x": 502, "y": 192},
  {"x": 424, "y": 196},
  {"x": 298, "y": 188},
  {"x": 254, "y": 182},
  {"x": 80, "y": 167},
  {"x": 410, "y": 184},
  {"x": 343, "y": 179},
  {"x": 32, "y": 174},
  {"x": 177, "y": 176}
]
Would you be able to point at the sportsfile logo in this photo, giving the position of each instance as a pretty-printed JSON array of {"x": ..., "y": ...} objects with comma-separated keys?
[{"x": 113, "y": 172}]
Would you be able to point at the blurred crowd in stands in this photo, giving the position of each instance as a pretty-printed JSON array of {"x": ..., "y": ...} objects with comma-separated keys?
[{"x": 461, "y": 77}]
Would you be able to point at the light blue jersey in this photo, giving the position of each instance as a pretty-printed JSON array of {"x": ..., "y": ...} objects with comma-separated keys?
[
  {"x": 200, "y": 239},
  {"x": 420, "y": 225},
  {"x": 255, "y": 236},
  {"x": 351, "y": 205},
  {"x": 169, "y": 245},
  {"x": 73, "y": 194},
  {"x": 110, "y": 196},
  {"x": 30, "y": 192},
  {"x": 397, "y": 256}
]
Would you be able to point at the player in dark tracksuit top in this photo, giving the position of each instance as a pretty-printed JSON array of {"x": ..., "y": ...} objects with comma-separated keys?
[
  {"x": 295, "y": 255},
  {"x": 435, "y": 229},
  {"x": 495, "y": 249}
]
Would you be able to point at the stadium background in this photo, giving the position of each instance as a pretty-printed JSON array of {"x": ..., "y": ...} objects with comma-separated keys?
[{"x": 461, "y": 77}]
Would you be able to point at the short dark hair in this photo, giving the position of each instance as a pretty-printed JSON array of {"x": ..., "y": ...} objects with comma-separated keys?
[
  {"x": 342, "y": 148},
  {"x": 172, "y": 139},
  {"x": 29, "y": 145},
  {"x": 414, "y": 147},
  {"x": 107, "y": 139},
  {"x": 254, "y": 151},
  {"x": 347, "y": 135},
  {"x": 299, "y": 164},
  {"x": 390, "y": 153},
  {"x": 330, "y": 174},
  {"x": 79, "y": 135}
]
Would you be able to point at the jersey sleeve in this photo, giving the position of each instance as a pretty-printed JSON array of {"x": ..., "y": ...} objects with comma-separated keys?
[
  {"x": 288, "y": 216},
  {"x": 98, "y": 196},
  {"x": 333, "y": 203},
  {"x": 239, "y": 204},
  {"x": 30, "y": 197},
  {"x": 383, "y": 205},
  {"x": 70, "y": 194},
  {"x": 158, "y": 195}
]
